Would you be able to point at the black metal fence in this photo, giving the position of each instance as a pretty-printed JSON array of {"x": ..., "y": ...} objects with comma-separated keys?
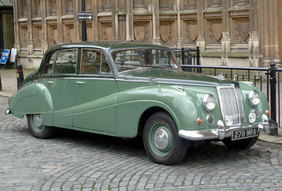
[
  {"x": 188, "y": 57},
  {"x": 267, "y": 79}
]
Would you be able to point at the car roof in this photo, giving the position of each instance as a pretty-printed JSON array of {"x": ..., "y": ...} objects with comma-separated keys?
[{"x": 105, "y": 45}]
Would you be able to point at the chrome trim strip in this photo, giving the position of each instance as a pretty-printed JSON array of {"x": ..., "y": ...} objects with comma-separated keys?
[
  {"x": 189, "y": 83},
  {"x": 210, "y": 134},
  {"x": 91, "y": 78},
  {"x": 170, "y": 82}
]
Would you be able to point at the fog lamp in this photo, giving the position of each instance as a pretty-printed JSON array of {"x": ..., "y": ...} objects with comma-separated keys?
[
  {"x": 228, "y": 120},
  {"x": 210, "y": 119}
]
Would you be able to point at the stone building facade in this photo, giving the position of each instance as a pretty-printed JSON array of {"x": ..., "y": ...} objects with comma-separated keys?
[{"x": 228, "y": 32}]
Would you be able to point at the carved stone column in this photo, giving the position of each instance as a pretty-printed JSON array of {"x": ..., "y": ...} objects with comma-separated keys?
[
  {"x": 115, "y": 19},
  {"x": 275, "y": 32},
  {"x": 77, "y": 28},
  {"x": 225, "y": 47},
  {"x": 16, "y": 25},
  {"x": 179, "y": 37},
  {"x": 60, "y": 22},
  {"x": 44, "y": 26},
  {"x": 129, "y": 20},
  {"x": 225, "y": 42},
  {"x": 95, "y": 19},
  {"x": 254, "y": 54},
  {"x": 30, "y": 49},
  {"x": 156, "y": 22},
  {"x": 269, "y": 29},
  {"x": 200, "y": 21}
]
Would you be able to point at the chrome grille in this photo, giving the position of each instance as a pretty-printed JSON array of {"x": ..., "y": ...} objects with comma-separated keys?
[{"x": 231, "y": 103}]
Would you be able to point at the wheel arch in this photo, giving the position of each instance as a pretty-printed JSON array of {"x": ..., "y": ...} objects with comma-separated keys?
[{"x": 146, "y": 114}]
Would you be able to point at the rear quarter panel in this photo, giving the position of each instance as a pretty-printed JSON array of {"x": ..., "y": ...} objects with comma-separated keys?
[{"x": 32, "y": 99}]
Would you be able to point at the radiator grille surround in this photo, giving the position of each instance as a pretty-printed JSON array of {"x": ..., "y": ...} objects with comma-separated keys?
[{"x": 231, "y": 104}]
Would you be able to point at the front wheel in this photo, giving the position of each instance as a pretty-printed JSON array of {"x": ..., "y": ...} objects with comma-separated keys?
[
  {"x": 161, "y": 141},
  {"x": 37, "y": 128},
  {"x": 240, "y": 144}
]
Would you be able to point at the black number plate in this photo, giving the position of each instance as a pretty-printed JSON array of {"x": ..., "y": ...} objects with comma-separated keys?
[{"x": 244, "y": 133}]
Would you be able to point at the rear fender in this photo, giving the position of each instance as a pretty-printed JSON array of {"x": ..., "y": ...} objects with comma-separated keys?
[{"x": 32, "y": 99}]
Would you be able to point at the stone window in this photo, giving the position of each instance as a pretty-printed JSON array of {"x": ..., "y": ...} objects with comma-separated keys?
[
  {"x": 141, "y": 4},
  {"x": 51, "y": 8},
  {"x": 188, "y": 4},
  {"x": 36, "y": 9},
  {"x": 68, "y": 8},
  {"x": 52, "y": 33},
  {"x": 213, "y": 3},
  {"x": 88, "y": 5},
  {"x": 240, "y": 2},
  {"x": 37, "y": 35},
  {"x": 22, "y": 8},
  {"x": 23, "y": 34},
  {"x": 104, "y": 6},
  {"x": 69, "y": 33},
  {"x": 167, "y": 5}
]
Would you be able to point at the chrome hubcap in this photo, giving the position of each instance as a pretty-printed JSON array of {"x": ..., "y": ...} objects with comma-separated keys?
[
  {"x": 161, "y": 138},
  {"x": 37, "y": 120}
]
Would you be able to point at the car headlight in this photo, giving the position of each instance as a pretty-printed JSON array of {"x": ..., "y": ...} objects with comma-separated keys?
[
  {"x": 209, "y": 102},
  {"x": 254, "y": 98},
  {"x": 252, "y": 117}
]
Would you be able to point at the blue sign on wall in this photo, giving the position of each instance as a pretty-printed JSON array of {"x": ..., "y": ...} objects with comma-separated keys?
[{"x": 5, "y": 56}]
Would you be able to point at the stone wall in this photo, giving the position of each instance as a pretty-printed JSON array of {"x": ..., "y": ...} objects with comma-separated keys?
[{"x": 233, "y": 32}]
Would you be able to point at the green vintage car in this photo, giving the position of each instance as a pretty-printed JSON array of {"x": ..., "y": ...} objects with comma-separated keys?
[{"x": 129, "y": 89}]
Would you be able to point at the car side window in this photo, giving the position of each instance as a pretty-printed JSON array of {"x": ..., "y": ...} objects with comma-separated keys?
[
  {"x": 49, "y": 65},
  {"x": 61, "y": 62},
  {"x": 65, "y": 62},
  {"x": 94, "y": 62}
]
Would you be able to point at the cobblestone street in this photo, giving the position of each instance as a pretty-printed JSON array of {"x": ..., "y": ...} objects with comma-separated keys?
[{"x": 81, "y": 161}]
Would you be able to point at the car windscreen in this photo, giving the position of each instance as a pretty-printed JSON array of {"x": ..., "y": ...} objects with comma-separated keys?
[{"x": 137, "y": 59}]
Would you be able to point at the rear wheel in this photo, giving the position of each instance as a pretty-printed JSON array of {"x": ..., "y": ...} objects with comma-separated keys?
[
  {"x": 240, "y": 144},
  {"x": 37, "y": 128},
  {"x": 161, "y": 140}
]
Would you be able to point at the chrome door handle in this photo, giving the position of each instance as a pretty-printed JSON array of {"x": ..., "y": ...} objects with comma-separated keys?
[
  {"x": 50, "y": 82},
  {"x": 79, "y": 82}
]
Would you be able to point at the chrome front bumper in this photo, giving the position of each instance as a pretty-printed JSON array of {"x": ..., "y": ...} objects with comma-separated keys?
[{"x": 214, "y": 134}]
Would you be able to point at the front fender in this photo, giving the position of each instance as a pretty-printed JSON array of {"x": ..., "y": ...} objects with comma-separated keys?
[
  {"x": 133, "y": 103},
  {"x": 31, "y": 99}
]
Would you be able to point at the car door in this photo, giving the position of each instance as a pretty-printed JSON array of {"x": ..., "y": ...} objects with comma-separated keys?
[
  {"x": 95, "y": 93},
  {"x": 58, "y": 76}
]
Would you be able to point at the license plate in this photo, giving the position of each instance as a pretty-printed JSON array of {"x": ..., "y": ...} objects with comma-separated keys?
[{"x": 244, "y": 133}]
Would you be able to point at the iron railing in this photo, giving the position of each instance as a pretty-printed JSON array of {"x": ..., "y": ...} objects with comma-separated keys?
[
  {"x": 188, "y": 57},
  {"x": 264, "y": 78},
  {"x": 267, "y": 79}
]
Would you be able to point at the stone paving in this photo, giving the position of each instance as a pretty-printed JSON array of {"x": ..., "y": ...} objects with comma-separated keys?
[{"x": 81, "y": 161}]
